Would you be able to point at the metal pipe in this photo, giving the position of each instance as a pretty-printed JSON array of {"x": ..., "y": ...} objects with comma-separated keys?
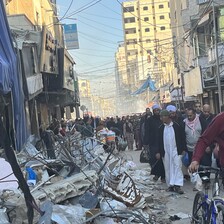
[{"x": 217, "y": 58}]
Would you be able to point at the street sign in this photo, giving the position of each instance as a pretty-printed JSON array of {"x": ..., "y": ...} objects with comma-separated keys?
[{"x": 71, "y": 36}]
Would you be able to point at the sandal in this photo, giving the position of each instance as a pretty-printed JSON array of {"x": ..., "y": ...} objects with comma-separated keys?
[{"x": 178, "y": 190}]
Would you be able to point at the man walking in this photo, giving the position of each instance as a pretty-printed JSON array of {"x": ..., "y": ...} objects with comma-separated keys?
[
  {"x": 213, "y": 134},
  {"x": 152, "y": 127},
  {"x": 194, "y": 127},
  {"x": 128, "y": 133},
  {"x": 172, "y": 144}
]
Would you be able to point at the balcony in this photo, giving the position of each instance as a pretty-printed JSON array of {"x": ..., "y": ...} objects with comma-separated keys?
[{"x": 212, "y": 55}]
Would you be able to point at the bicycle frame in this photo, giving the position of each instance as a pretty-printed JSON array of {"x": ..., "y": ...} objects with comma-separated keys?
[
  {"x": 209, "y": 206},
  {"x": 213, "y": 209}
]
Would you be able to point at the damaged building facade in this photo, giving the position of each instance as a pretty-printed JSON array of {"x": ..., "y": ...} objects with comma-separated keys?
[{"x": 46, "y": 67}]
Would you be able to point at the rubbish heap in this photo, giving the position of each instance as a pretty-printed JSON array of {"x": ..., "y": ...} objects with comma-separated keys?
[{"x": 76, "y": 180}]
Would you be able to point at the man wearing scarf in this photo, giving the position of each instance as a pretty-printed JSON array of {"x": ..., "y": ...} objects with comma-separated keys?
[
  {"x": 172, "y": 145},
  {"x": 152, "y": 127},
  {"x": 194, "y": 127}
]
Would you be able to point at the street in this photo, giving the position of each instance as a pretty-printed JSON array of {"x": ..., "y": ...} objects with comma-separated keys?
[{"x": 174, "y": 203}]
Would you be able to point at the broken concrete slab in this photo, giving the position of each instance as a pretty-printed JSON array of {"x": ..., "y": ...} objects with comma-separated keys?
[{"x": 66, "y": 188}]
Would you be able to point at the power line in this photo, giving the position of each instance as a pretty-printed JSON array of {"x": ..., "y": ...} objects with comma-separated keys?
[
  {"x": 94, "y": 37},
  {"x": 106, "y": 25},
  {"x": 95, "y": 42},
  {"x": 100, "y": 29},
  {"x": 83, "y": 8},
  {"x": 70, "y": 5},
  {"x": 99, "y": 16},
  {"x": 94, "y": 55}
]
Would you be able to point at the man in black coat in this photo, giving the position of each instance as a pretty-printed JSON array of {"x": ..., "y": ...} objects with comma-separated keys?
[
  {"x": 171, "y": 145},
  {"x": 152, "y": 127}
]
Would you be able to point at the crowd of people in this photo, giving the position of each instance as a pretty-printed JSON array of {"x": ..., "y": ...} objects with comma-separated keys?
[{"x": 166, "y": 134}]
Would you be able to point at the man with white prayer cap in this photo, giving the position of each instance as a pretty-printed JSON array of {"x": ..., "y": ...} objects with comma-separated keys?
[
  {"x": 174, "y": 115},
  {"x": 171, "y": 145}
]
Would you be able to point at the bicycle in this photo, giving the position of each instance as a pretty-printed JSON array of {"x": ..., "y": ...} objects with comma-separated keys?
[{"x": 205, "y": 210}]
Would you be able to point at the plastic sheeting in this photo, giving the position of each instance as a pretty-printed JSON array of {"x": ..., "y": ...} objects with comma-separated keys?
[
  {"x": 149, "y": 83},
  {"x": 9, "y": 78}
]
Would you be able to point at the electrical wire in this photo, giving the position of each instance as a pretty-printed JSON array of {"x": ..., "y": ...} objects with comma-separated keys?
[
  {"x": 69, "y": 7},
  {"x": 94, "y": 27}
]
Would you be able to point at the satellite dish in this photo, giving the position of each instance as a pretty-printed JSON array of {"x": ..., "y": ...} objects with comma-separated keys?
[{"x": 83, "y": 108}]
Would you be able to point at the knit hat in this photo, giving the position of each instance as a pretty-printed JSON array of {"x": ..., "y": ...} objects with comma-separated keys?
[
  {"x": 155, "y": 106},
  {"x": 164, "y": 113},
  {"x": 171, "y": 108}
]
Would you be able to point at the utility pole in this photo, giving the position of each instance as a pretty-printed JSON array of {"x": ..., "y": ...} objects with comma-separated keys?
[{"x": 217, "y": 58}]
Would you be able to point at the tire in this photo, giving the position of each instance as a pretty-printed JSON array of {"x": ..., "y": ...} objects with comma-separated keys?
[
  {"x": 199, "y": 211},
  {"x": 220, "y": 216}
]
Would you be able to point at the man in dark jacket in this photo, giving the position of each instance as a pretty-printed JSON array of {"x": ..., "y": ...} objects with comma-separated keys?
[
  {"x": 206, "y": 114},
  {"x": 152, "y": 126},
  {"x": 172, "y": 145},
  {"x": 174, "y": 115}
]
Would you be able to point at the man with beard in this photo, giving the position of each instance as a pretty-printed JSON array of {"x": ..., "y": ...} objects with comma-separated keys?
[
  {"x": 174, "y": 115},
  {"x": 152, "y": 127},
  {"x": 172, "y": 145}
]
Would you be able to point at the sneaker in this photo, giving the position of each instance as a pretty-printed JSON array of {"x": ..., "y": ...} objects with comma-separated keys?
[
  {"x": 178, "y": 190},
  {"x": 170, "y": 189}
]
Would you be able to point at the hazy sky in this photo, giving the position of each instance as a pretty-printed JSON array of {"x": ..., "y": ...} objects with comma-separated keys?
[{"x": 99, "y": 31}]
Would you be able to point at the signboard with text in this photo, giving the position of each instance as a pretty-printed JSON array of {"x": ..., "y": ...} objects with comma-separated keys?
[{"x": 71, "y": 36}]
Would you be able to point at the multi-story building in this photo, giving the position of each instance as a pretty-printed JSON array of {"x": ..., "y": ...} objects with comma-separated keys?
[
  {"x": 194, "y": 46},
  {"x": 147, "y": 41}
]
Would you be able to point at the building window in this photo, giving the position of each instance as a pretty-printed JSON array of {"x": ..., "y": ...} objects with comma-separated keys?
[
  {"x": 162, "y": 17},
  {"x": 130, "y": 31},
  {"x": 146, "y": 19},
  {"x": 161, "y": 6},
  {"x": 131, "y": 41},
  {"x": 148, "y": 41},
  {"x": 129, "y": 20},
  {"x": 145, "y": 8},
  {"x": 129, "y": 9},
  {"x": 163, "y": 64},
  {"x": 147, "y": 29},
  {"x": 162, "y": 28},
  {"x": 168, "y": 4}
]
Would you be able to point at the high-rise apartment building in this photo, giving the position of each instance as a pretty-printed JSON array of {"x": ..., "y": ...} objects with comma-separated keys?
[{"x": 147, "y": 41}]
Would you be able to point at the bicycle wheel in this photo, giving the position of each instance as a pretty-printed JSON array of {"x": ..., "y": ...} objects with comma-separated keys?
[
  {"x": 199, "y": 211},
  {"x": 219, "y": 217}
]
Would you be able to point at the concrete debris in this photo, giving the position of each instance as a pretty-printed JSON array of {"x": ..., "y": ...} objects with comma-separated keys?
[
  {"x": 82, "y": 183},
  {"x": 66, "y": 188},
  {"x": 3, "y": 216},
  {"x": 68, "y": 214},
  {"x": 8, "y": 179}
]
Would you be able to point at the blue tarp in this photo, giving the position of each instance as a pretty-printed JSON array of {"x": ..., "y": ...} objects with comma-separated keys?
[
  {"x": 9, "y": 78},
  {"x": 149, "y": 83}
]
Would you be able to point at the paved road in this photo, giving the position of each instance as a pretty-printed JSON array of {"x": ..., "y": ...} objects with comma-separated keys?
[{"x": 175, "y": 203}]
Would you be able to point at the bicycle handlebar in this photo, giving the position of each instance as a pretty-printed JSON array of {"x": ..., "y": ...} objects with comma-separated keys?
[{"x": 209, "y": 168}]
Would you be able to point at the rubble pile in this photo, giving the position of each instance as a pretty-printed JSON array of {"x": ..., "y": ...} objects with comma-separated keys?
[{"x": 74, "y": 180}]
